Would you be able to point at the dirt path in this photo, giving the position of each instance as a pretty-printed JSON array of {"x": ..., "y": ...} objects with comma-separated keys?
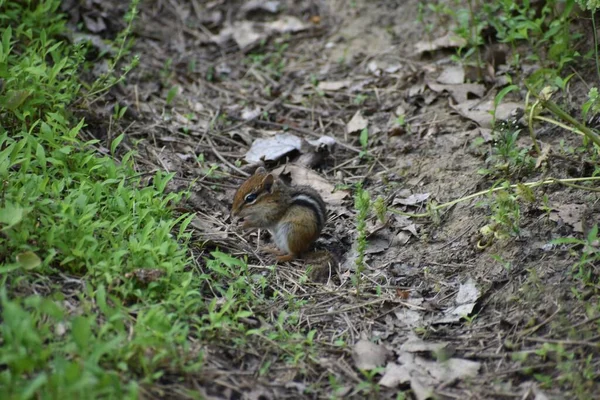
[{"x": 455, "y": 317}]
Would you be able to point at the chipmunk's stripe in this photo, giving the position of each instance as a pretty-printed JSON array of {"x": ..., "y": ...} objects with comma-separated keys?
[{"x": 315, "y": 206}]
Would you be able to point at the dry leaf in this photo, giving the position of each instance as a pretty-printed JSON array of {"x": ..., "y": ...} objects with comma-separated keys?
[
  {"x": 245, "y": 33},
  {"x": 357, "y": 123},
  {"x": 453, "y": 75},
  {"x": 261, "y": 5},
  {"x": 447, "y": 41},
  {"x": 460, "y": 93},
  {"x": 94, "y": 25},
  {"x": 377, "y": 245},
  {"x": 412, "y": 228},
  {"x": 415, "y": 344},
  {"x": 368, "y": 355},
  {"x": 402, "y": 238},
  {"x": 570, "y": 214},
  {"x": 250, "y": 113},
  {"x": 543, "y": 155},
  {"x": 303, "y": 176},
  {"x": 273, "y": 148},
  {"x": 480, "y": 112},
  {"x": 467, "y": 297},
  {"x": 248, "y": 33},
  {"x": 424, "y": 375},
  {"x": 412, "y": 199},
  {"x": 287, "y": 24},
  {"x": 334, "y": 85}
]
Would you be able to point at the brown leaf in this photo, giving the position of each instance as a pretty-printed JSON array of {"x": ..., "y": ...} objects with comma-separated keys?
[
  {"x": 480, "y": 112},
  {"x": 272, "y": 148},
  {"x": 412, "y": 199},
  {"x": 334, "y": 85},
  {"x": 570, "y": 214},
  {"x": 368, "y": 355},
  {"x": 303, "y": 176},
  {"x": 357, "y": 123},
  {"x": 453, "y": 75},
  {"x": 448, "y": 41},
  {"x": 460, "y": 93}
]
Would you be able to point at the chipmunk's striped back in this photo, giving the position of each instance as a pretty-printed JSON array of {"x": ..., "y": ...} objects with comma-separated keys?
[{"x": 307, "y": 197}]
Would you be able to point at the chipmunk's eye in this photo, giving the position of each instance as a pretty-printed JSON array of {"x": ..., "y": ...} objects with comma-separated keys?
[{"x": 250, "y": 198}]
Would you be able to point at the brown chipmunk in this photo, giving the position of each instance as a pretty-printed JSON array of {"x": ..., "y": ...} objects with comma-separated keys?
[{"x": 294, "y": 215}]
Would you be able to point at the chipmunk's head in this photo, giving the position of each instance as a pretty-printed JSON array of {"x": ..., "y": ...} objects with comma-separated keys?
[{"x": 257, "y": 202}]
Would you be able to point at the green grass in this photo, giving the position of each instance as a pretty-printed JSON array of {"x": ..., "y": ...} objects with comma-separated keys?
[
  {"x": 77, "y": 229},
  {"x": 100, "y": 294}
]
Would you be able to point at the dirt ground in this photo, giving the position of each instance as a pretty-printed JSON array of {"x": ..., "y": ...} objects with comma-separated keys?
[{"x": 450, "y": 315}]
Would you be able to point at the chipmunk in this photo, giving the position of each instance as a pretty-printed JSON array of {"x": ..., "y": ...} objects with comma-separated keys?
[{"x": 294, "y": 215}]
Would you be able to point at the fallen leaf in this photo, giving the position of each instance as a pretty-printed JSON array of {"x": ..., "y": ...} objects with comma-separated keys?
[
  {"x": 402, "y": 238},
  {"x": 424, "y": 375},
  {"x": 394, "y": 375},
  {"x": 543, "y": 156},
  {"x": 248, "y": 33},
  {"x": 465, "y": 301},
  {"x": 326, "y": 141},
  {"x": 28, "y": 260},
  {"x": 287, "y": 24},
  {"x": 415, "y": 344},
  {"x": 452, "y": 75},
  {"x": 377, "y": 245},
  {"x": 357, "y": 123},
  {"x": 460, "y": 93},
  {"x": 303, "y": 176},
  {"x": 486, "y": 134},
  {"x": 409, "y": 317},
  {"x": 250, "y": 113},
  {"x": 245, "y": 33},
  {"x": 261, "y": 5},
  {"x": 333, "y": 85},
  {"x": 450, "y": 40},
  {"x": 272, "y": 148},
  {"x": 468, "y": 292},
  {"x": 481, "y": 112},
  {"x": 412, "y": 228},
  {"x": 207, "y": 229},
  {"x": 570, "y": 214},
  {"x": 368, "y": 355},
  {"x": 94, "y": 24},
  {"x": 412, "y": 199}
]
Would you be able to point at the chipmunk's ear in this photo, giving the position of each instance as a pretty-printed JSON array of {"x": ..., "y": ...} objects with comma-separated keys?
[
  {"x": 267, "y": 182},
  {"x": 260, "y": 171}
]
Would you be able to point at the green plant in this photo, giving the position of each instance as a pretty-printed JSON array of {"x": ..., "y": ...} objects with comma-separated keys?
[
  {"x": 589, "y": 257},
  {"x": 362, "y": 204},
  {"x": 123, "y": 44},
  {"x": 506, "y": 157}
]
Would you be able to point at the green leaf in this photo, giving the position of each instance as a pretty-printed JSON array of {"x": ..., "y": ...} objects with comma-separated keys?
[
  {"x": 500, "y": 96},
  {"x": 14, "y": 99},
  {"x": 172, "y": 93},
  {"x": 81, "y": 331},
  {"x": 40, "y": 156},
  {"x": 11, "y": 215},
  {"x": 115, "y": 143},
  {"x": 364, "y": 138},
  {"x": 6, "y": 36},
  {"x": 28, "y": 260}
]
